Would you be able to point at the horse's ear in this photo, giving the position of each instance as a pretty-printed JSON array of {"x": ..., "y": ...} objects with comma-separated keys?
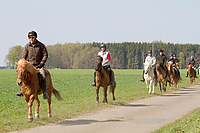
[{"x": 16, "y": 64}]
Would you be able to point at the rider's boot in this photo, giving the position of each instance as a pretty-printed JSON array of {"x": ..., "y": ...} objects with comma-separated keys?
[
  {"x": 156, "y": 77},
  {"x": 19, "y": 94},
  {"x": 187, "y": 74},
  {"x": 169, "y": 77},
  {"x": 142, "y": 80},
  {"x": 111, "y": 79},
  {"x": 94, "y": 84},
  {"x": 44, "y": 88},
  {"x": 195, "y": 73}
]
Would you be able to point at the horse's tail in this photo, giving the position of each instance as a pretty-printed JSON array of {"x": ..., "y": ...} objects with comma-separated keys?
[{"x": 57, "y": 94}]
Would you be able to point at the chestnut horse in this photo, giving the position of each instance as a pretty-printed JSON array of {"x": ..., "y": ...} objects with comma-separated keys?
[
  {"x": 191, "y": 73},
  {"x": 173, "y": 75},
  {"x": 28, "y": 80},
  {"x": 103, "y": 80},
  {"x": 162, "y": 75}
]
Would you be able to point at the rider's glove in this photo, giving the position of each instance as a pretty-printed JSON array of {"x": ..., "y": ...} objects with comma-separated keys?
[{"x": 40, "y": 65}]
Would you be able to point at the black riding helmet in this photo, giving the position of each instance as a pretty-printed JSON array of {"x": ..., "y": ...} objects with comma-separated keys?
[
  {"x": 174, "y": 55},
  {"x": 149, "y": 51},
  {"x": 171, "y": 54},
  {"x": 32, "y": 33},
  {"x": 161, "y": 50}
]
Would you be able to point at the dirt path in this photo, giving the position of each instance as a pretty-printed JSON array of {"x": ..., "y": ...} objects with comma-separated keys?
[{"x": 142, "y": 116}]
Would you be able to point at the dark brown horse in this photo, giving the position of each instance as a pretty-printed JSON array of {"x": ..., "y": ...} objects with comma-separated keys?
[
  {"x": 27, "y": 79},
  {"x": 103, "y": 80},
  {"x": 173, "y": 75},
  {"x": 191, "y": 73},
  {"x": 162, "y": 75}
]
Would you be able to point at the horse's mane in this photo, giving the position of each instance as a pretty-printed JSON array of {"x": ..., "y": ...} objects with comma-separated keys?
[{"x": 27, "y": 66}]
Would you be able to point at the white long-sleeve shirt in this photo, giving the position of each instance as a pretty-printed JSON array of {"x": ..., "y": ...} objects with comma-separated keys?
[{"x": 151, "y": 60}]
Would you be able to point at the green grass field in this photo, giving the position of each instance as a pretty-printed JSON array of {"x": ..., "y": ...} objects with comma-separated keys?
[{"x": 79, "y": 96}]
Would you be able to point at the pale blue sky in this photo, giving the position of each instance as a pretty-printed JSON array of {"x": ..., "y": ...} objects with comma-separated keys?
[{"x": 176, "y": 21}]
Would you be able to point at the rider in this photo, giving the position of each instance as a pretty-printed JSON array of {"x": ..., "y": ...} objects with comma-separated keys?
[
  {"x": 36, "y": 53},
  {"x": 192, "y": 62},
  {"x": 162, "y": 58},
  {"x": 176, "y": 61},
  {"x": 174, "y": 65},
  {"x": 151, "y": 59},
  {"x": 105, "y": 63}
]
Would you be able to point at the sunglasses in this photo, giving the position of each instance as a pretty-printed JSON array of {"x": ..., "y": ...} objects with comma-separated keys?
[{"x": 31, "y": 37}]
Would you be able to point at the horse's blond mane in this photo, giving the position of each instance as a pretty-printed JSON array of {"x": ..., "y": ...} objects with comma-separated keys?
[{"x": 28, "y": 66}]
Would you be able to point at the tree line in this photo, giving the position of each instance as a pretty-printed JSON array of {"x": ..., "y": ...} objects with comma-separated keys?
[{"x": 125, "y": 55}]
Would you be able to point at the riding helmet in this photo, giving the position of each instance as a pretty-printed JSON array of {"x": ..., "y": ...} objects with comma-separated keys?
[
  {"x": 32, "y": 33},
  {"x": 103, "y": 45},
  {"x": 192, "y": 57},
  {"x": 171, "y": 54},
  {"x": 175, "y": 55},
  {"x": 149, "y": 51},
  {"x": 161, "y": 50}
]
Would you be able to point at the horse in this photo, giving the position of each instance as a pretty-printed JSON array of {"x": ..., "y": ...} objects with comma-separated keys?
[
  {"x": 103, "y": 80},
  {"x": 162, "y": 75},
  {"x": 149, "y": 76},
  {"x": 191, "y": 73},
  {"x": 173, "y": 74},
  {"x": 28, "y": 80}
]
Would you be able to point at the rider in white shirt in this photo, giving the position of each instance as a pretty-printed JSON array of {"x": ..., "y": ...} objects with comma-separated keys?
[
  {"x": 105, "y": 63},
  {"x": 151, "y": 59}
]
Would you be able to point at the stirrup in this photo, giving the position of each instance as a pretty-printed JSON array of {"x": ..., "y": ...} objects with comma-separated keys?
[
  {"x": 111, "y": 83},
  {"x": 19, "y": 94},
  {"x": 45, "y": 96},
  {"x": 142, "y": 80},
  {"x": 94, "y": 84}
]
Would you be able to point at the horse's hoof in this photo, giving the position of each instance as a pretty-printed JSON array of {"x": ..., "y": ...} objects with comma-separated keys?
[
  {"x": 97, "y": 101},
  {"x": 49, "y": 115},
  {"x": 30, "y": 119},
  {"x": 150, "y": 93},
  {"x": 37, "y": 116},
  {"x": 114, "y": 99}
]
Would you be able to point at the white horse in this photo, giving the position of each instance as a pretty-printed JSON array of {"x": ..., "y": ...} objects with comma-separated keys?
[{"x": 149, "y": 76}]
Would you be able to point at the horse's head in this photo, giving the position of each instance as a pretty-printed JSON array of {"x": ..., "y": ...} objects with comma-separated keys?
[
  {"x": 189, "y": 66},
  {"x": 21, "y": 74},
  {"x": 98, "y": 63},
  {"x": 147, "y": 67},
  {"x": 170, "y": 65}
]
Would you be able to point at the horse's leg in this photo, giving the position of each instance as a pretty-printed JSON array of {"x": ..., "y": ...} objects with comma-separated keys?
[
  {"x": 153, "y": 87},
  {"x": 105, "y": 95},
  {"x": 160, "y": 86},
  {"x": 49, "y": 105},
  {"x": 97, "y": 94},
  {"x": 29, "y": 105},
  {"x": 113, "y": 92},
  {"x": 37, "y": 103},
  {"x": 150, "y": 84},
  {"x": 165, "y": 85}
]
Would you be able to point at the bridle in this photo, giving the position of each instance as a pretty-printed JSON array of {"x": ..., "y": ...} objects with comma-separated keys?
[{"x": 24, "y": 78}]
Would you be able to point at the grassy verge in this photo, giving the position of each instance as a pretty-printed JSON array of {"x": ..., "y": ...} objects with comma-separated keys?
[
  {"x": 78, "y": 95},
  {"x": 189, "y": 123}
]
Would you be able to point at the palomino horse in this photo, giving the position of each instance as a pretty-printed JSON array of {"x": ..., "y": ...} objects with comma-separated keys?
[
  {"x": 191, "y": 73},
  {"x": 149, "y": 76},
  {"x": 103, "y": 80},
  {"x": 173, "y": 74},
  {"x": 28, "y": 80},
  {"x": 162, "y": 75}
]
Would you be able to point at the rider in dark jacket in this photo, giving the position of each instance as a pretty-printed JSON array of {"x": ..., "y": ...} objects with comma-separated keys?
[
  {"x": 162, "y": 58},
  {"x": 192, "y": 62}
]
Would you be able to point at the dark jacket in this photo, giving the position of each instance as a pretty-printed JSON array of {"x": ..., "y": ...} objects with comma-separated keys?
[
  {"x": 162, "y": 58},
  {"x": 172, "y": 60},
  {"x": 192, "y": 62},
  {"x": 35, "y": 54},
  {"x": 176, "y": 60}
]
